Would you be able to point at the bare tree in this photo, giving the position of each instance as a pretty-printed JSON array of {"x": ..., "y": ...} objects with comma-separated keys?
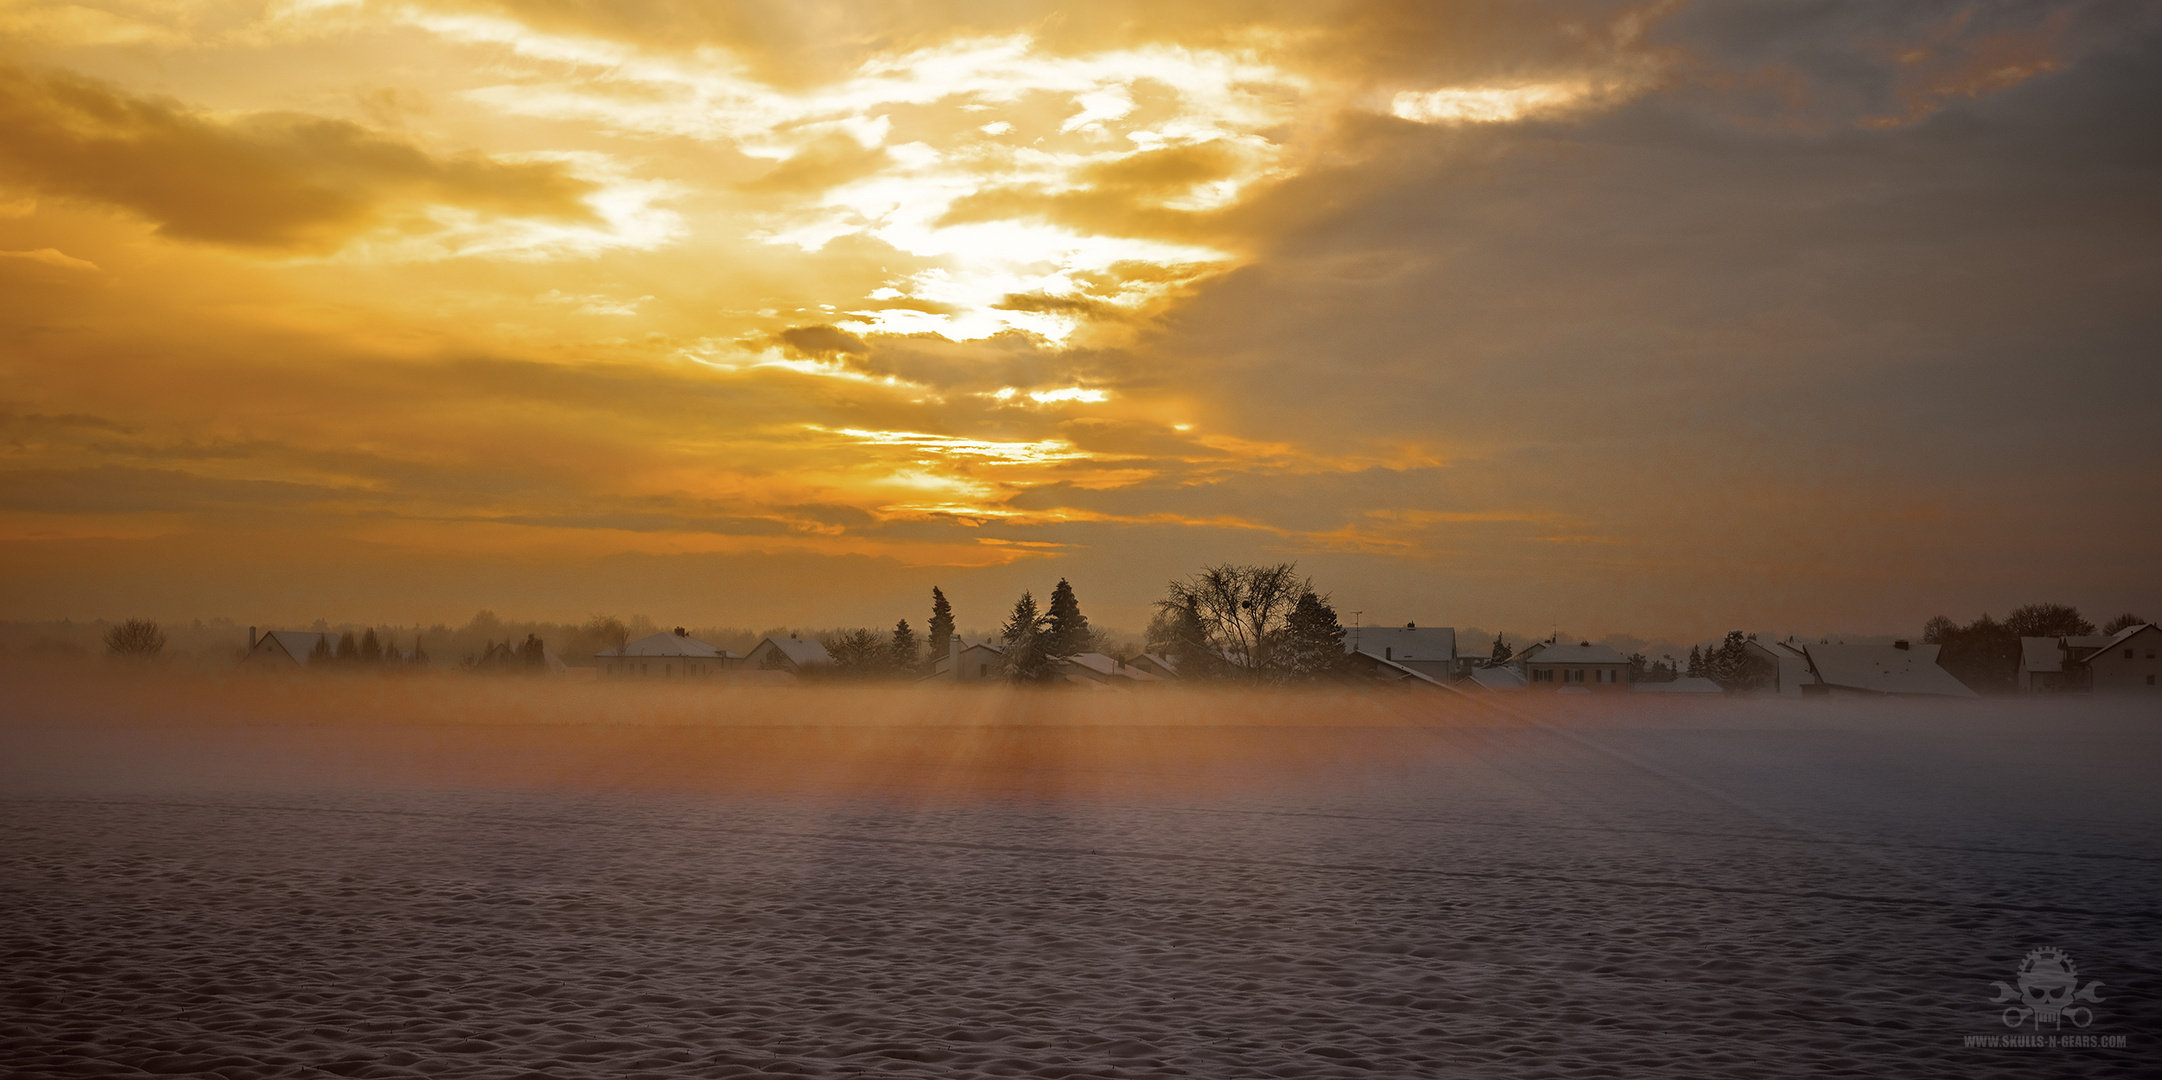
[
  {"x": 2047, "y": 620},
  {"x": 135, "y": 637},
  {"x": 1238, "y": 613}
]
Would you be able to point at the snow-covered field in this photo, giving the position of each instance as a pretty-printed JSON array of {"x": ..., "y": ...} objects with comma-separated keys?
[{"x": 432, "y": 880}]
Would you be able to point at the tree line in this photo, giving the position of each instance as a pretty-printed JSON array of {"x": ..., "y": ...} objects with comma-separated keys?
[{"x": 1984, "y": 654}]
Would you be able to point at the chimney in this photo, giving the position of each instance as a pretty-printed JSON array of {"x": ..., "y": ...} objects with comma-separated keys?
[
  {"x": 251, "y": 639},
  {"x": 1903, "y": 644},
  {"x": 680, "y": 632}
]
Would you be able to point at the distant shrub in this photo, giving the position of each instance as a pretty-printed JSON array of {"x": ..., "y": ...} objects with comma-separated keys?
[{"x": 135, "y": 637}]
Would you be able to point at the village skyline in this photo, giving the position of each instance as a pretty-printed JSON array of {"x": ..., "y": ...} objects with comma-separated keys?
[{"x": 1622, "y": 318}]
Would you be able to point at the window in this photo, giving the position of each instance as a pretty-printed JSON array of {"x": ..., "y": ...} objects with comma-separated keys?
[
  {"x": 1388, "y": 652},
  {"x": 983, "y": 670},
  {"x": 2128, "y": 654}
]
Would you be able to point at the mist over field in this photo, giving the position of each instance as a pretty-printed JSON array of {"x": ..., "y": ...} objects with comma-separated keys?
[{"x": 457, "y": 876}]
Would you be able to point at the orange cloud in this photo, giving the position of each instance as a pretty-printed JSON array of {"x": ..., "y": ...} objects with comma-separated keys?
[{"x": 270, "y": 180}]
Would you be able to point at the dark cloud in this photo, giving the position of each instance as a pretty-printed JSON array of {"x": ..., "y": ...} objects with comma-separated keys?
[
  {"x": 113, "y": 489},
  {"x": 821, "y": 341},
  {"x": 1839, "y": 63},
  {"x": 279, "y": 181}
]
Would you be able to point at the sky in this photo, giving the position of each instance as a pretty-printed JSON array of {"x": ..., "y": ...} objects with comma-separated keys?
[{"x": 1650, "y": 318}]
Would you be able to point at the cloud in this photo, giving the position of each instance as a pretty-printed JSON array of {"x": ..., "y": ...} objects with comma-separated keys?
[
  {"x": 821, "y": 342},
  {"x": 112, "y": 489},
  {"x": 51, "y": 257},
  {"x": 276, "y": 181}
]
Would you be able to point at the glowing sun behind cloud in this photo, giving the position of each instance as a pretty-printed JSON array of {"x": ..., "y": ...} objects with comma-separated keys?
[{"x": 951, "y": 285}]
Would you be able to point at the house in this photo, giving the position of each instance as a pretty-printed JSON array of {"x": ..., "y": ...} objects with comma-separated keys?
[
  {"x": 968, "y": 662},
  {"x": 1582, "y": 666},
  {"x": 1163, "y": 667},
  {"x": 1096, "y": 669},
  {"x": 1903, "y": 668},
  {"x": 1788, "y": 663},
  {"x": 1687, "y": 684},
  {"x": 2126, "y": 662},
  {"x": 1428, "y": 650},
  {"x": 2053, "y": 665},
  {"x": 674, "y": 654},
  {"x": 790, "y": 654},
  {"x": 286, "y": 648}
]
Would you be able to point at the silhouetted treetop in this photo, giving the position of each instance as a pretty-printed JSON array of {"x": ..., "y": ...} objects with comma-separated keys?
[{"x": 135, "y": 638}]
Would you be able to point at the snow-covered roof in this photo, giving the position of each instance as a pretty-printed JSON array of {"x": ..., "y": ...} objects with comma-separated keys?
[
  {"x": 1687, "y": 684},
  {"x": 1498, "y": 678},
  {"x": 2116, "y": 639},
  {"x": 667, "y": 643},
  {"x": 1884, "y": 669},
  {"x": 1427, "y": 644},
  {"x": 299, "y": 643},
  {"x": 800, "y": 651},
  {"x": 2039, "y": 654},
  {"x": 2085, "y": 645},
  {"x": 1110, "y": 667},
  {"x": 1581, "y": 653},
  {"x": 1780, "y": 650}
]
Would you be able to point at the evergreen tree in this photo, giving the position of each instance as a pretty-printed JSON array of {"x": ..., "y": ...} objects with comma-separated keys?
[
  {"x": 1026, "y": 661},
  {"x": 371, "y": 647},
  {"x": 533, "y": 653},
  {"x": 420, "y": 655},
  {"x": 1066, "y": 630},
  {"x": 903, "y": 647},
  {"x": 1178, "y": 634},
  {"x": 1502, "y": 651},
  {"x": 941, "y": 628},
  {"x": 348, "y": 649},
  {"x": 1696, "y": 663},
  {"x": 857, "y": 654},
  {"x": 321, "y": 653},
  {"x": 1313, "y": 639}
]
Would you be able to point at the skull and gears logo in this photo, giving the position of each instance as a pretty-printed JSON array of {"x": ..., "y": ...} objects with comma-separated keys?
[{"x": 2048, "y": 988}]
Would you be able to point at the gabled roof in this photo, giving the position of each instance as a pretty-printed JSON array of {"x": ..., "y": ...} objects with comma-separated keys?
[
  {"x": 1430, "y": 644},
  {"x": 1498, "y": 678},
  {"x": 2118, "y": 638},
  {"x": 1884, "y": 669},
  {"x": 1109, "y": 667},
  {"x": 299, "y": 643},
  {"x": 1779, "y": 650},
  {"x": 666, "y": 644},
  {"x": 1687, "y": 684},
  {"x": 2040, "y": 654},
  {"x": 1582, "y": 653},
  {"x": 799, "y": 651}
]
